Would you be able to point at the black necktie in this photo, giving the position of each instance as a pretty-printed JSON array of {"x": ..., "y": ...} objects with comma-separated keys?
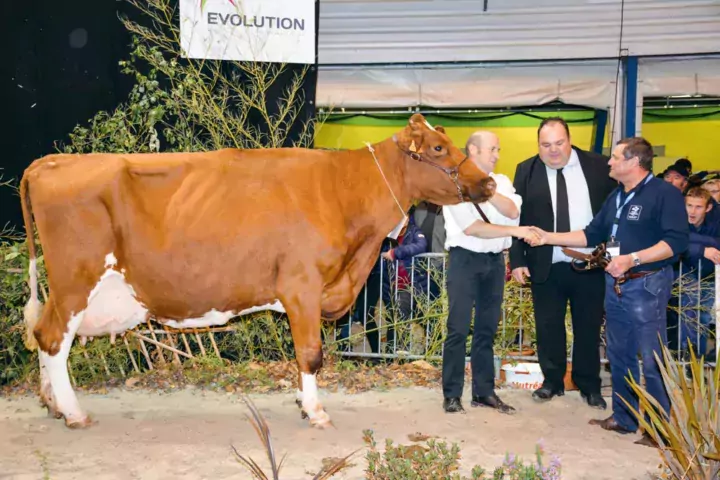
[{"x": 563, "y": 211}]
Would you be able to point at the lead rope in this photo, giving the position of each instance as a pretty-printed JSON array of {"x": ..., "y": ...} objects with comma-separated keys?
[{"x": 372, "y": 152}]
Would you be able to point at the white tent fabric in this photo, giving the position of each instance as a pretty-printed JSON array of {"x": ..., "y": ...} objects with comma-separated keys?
[
  {"x": 679, "y": 76},
  {"x": 590, "y": 83}
]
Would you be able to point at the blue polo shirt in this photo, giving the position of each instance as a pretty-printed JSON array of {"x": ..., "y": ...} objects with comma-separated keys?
[{"x": 655, "y": 212}]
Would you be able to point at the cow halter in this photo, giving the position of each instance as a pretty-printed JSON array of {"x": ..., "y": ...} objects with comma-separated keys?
[{"x": 453, "y": 172}]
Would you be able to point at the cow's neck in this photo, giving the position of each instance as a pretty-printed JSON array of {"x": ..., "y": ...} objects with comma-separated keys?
[{"x": 391, "y": 195}]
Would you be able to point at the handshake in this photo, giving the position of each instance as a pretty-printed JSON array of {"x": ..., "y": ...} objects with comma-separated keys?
[{"x": 533, "y": 236}]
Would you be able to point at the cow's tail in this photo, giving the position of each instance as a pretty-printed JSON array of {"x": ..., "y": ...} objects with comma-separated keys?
[{"x": 34, "y": 307}]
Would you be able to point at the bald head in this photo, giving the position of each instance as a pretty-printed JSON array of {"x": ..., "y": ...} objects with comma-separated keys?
[
  {"x": 479, "y": 138},
  {"x": 483, "y": 148}
]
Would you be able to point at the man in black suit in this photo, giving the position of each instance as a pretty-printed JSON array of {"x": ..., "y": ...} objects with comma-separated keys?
[{"x": 562, "y": 188}]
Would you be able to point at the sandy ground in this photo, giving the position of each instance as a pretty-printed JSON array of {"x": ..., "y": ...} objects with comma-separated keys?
[{"x": 189, "y": 433}]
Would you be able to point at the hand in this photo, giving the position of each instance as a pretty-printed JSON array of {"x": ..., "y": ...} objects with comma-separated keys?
[
  {"x": 388, "y": 256},
  {"x": 527, "y": 234},
  {"x": 531, "y": 235},
  {"x": 520, "y": 273},
  {"x": 619, "y": 265},
  {"x": 541, "y": 234},
  {"x": 712, "y": 254}
]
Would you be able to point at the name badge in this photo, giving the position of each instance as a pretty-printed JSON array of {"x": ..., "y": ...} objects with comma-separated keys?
[{"x": 613, "y": 248}]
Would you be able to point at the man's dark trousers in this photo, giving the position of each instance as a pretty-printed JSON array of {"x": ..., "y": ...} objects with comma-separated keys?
[
  {"x": 479, "y": 279},
  {"x": 585, "y": 292}
]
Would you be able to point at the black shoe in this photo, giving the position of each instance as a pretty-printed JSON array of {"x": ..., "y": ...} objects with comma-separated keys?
[
  {"x": 595, "y": 400},
  {"x": 543, "y": 394},
  {"x": 492, "y": 401},
  {"x": 453, "y": 405}
]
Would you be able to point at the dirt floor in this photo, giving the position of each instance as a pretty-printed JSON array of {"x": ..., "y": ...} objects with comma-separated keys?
[{"x": 189, "y": 433}]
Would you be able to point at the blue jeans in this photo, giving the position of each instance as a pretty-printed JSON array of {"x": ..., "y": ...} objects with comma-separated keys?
[
  {"x": 696, "y": 314},
  {"x": 636, "y": 322}
]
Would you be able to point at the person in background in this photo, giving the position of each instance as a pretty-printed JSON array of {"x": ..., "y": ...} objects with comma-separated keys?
[
  {"x": 407, "y": 278},
  {"x": 678, "y": 173},
  {"x": 429, "y": 217},
  {"x": 562, "y": 187},
  {"x": 698, "y": 268},
  {"x": 477, "y": 235},
  {"x": 713, "y": 187},
  {"x": 644, "y": 223}
]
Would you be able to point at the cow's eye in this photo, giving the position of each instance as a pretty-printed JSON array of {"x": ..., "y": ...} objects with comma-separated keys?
[{"x": 438, "y": 148}]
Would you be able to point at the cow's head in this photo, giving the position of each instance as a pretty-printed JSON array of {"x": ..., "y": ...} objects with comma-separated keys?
[{"x": 438, "y": 171}]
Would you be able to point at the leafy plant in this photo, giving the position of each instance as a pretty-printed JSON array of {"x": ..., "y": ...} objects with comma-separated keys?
[
  {"x": 689, "y": 440},
  {"x": 263, "y": 431},
  {"x": 436, "y": 460}
]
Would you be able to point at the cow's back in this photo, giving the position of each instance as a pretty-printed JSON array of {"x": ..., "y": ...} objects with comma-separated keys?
[{"x": 191, "y": 230}]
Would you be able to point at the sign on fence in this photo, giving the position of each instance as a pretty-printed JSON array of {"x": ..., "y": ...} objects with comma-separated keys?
[{"x": 280, "y": 31}]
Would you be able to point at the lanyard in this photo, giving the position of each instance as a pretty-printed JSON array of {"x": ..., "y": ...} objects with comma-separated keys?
[{"x": 619, "y": 208}]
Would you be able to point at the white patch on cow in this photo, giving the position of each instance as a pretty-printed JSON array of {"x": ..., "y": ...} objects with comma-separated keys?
[
  {"x": 56, "y": 372},
  {"x": 299, "y": 395},
  {"x": 110, "y": 260},
  {"x": 311, "y": 402},
  {"x": 429, "y": 126},
  {"x": 214, "y": 318},
  {"x": 112, "y": 305},
  {"x": 276, "y": 306}
]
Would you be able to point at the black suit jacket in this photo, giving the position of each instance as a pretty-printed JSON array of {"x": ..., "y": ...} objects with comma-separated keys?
[{"x": 531, "y": 183}]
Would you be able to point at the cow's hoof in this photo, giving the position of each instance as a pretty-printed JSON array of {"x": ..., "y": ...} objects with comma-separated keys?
[
  {"x": 52, "y": 413},
  {"x": 81, "y": 424},
  {"x": 322, "y": 421},
  {"x": 303, "y": 414}
]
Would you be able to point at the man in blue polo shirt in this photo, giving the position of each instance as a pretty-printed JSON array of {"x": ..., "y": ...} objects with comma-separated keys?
[{"x": 645, "y": 226}]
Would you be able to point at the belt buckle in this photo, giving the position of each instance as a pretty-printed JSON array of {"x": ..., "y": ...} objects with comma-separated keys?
[{"x": 619, "y": 281}]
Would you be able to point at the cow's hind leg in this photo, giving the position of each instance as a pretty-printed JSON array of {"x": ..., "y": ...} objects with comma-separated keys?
[
  {"x": 303, "y": 310},
  {"x": 56, "y": 392}
]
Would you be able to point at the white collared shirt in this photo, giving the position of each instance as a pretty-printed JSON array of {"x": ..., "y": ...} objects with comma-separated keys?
[
  {"x": 459, "y": 217},
  {"x": 578, "y": 199}
]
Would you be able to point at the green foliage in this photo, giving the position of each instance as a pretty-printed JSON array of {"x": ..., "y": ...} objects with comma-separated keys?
[
  {"x": 180, "y": 104},
  {"x": 436, "y": 460},
  {"x": 16, "y": 362},
  {"x": 690, "y": 438}
]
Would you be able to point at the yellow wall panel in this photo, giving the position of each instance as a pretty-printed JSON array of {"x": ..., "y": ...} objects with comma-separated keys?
[
  {"x": 516, "y": 143},
  {"x": 699, "y": 141}
]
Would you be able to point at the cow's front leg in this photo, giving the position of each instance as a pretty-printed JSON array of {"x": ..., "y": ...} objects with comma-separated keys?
[{"x": 303, "y": 311}]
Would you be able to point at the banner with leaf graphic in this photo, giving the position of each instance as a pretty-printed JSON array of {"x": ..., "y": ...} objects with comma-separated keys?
[{"x": 281, "y": 31}]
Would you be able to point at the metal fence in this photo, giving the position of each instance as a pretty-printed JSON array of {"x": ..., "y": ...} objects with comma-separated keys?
[{"x": 695, "y": 305}]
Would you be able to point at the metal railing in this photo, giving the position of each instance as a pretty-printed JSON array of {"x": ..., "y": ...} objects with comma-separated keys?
[{"x": 695, "y": 303}]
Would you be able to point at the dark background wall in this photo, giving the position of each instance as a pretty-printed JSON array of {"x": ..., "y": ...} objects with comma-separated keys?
[{"x": 60, "y": 68}]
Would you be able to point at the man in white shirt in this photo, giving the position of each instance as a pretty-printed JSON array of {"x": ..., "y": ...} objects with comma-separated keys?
[{"x": 476, "y": 276}]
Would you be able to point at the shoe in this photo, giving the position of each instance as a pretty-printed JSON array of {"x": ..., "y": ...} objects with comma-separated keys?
[
  {"x": 492, "y": 401},
  {"x": 543, "y": 394},
  {"x": 647, "y": 441},
  {"x": 611, "y": 425},
  {"x": 595, "y": 400},
  {"x": 453, "y": 405}
]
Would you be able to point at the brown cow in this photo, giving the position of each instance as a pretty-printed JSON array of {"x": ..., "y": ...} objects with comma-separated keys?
[{"x": 194, "y": 239}]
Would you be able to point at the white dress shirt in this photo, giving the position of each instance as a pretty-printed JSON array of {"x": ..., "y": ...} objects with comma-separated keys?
[
  {"x": 459, "y": 217},
  {"x": 579, "y": 206}
]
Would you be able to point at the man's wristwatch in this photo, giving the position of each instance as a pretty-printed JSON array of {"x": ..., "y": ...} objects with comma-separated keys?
[{"x": 636, "y": 259}]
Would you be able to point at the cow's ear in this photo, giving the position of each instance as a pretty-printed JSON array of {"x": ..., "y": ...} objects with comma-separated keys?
[
  {"x": 439, "y": 128},
  {"x": 417, "y": 121}
]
